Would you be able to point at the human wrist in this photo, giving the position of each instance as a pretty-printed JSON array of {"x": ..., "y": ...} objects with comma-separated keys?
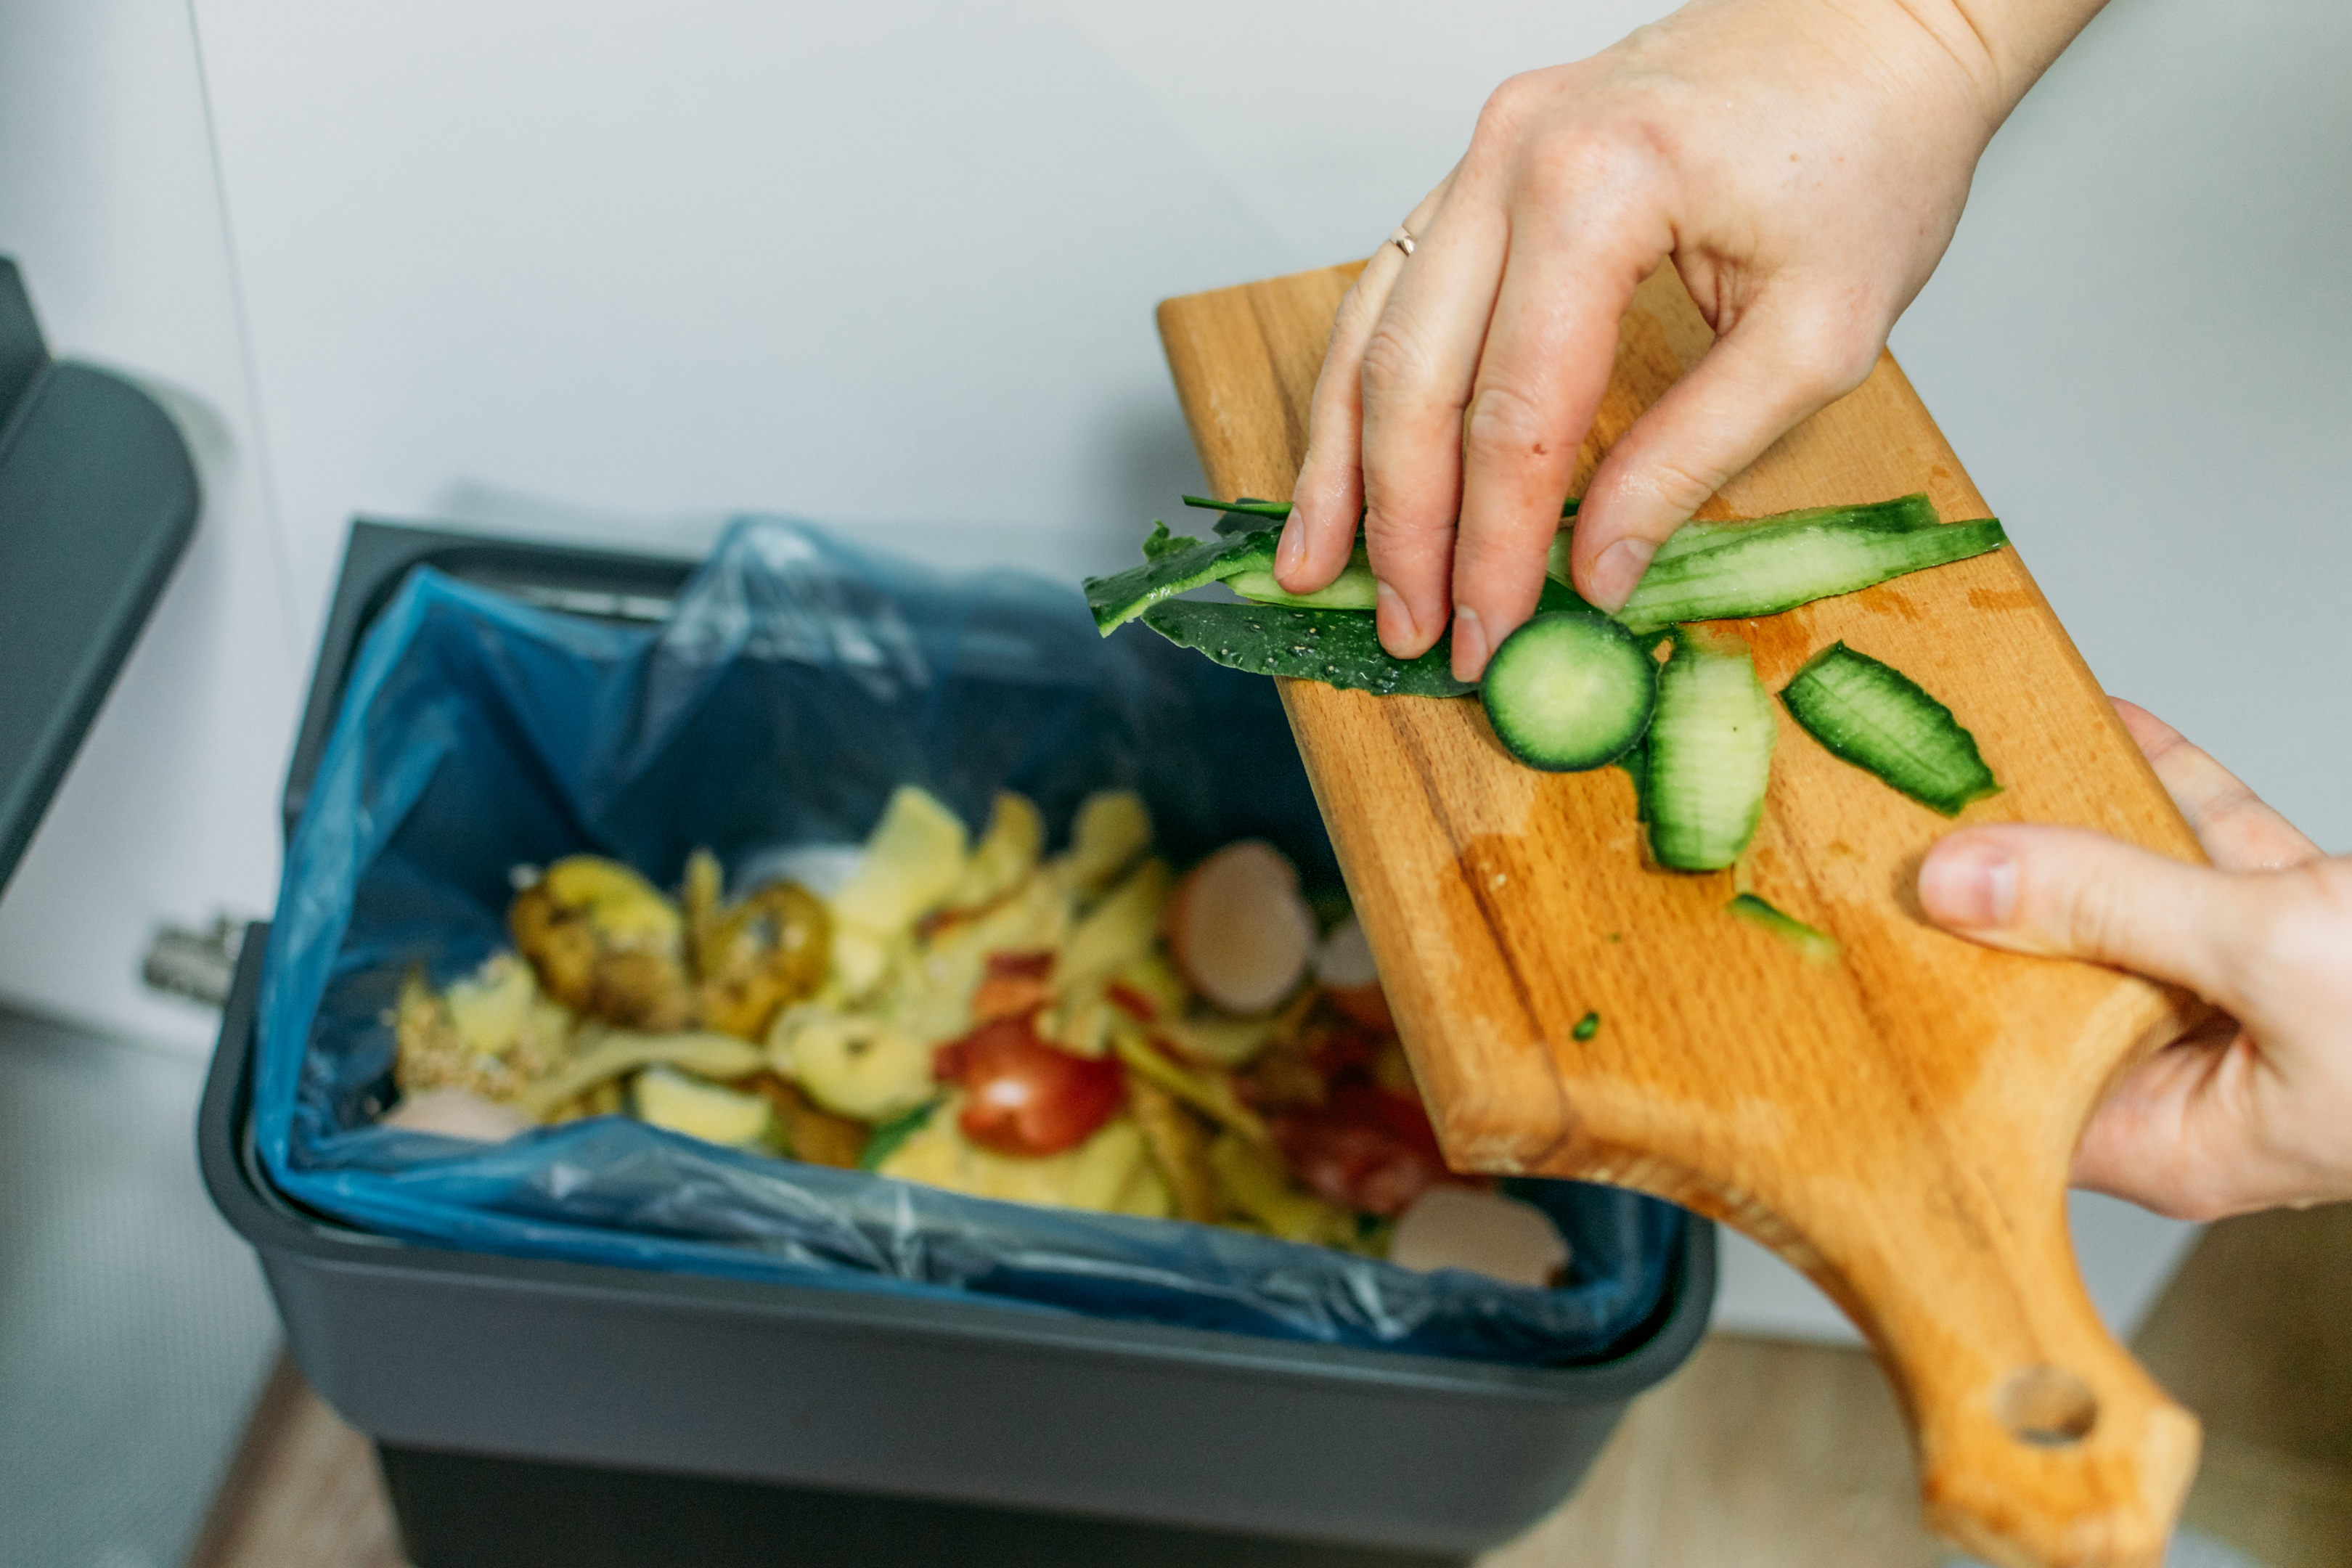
[
  {"x": 1932, "y": 55},
  {"x": 2016, "y": 40}
]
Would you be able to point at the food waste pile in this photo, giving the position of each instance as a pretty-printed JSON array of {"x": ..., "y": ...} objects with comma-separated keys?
[{"x": 1088, "y": 1029}]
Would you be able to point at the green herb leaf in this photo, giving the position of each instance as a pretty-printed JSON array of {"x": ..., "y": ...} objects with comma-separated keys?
[
  {"x": 888, "y": 1137},
  {"x": 1338, "y": 648},
  {"x": 1163, "y": 542}
]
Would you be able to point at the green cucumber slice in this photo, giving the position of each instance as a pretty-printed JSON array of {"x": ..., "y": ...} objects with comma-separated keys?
[
  {"x": 1764, "y": 571},
  {"x": 1709, "y": 755},
  {"x": 1119, "y": 598},
  {"x": 1338, "y": 647},
  {"x": 1879, "y": 719},
  {"x": 1815, "y": 944},
  {"x": 1569, "y": 691}
]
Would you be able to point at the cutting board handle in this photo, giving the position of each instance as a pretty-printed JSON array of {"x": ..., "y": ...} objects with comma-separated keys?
[{"x": 2041, "y": 1442}]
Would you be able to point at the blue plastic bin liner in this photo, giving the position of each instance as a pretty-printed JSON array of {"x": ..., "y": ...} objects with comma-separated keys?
[{"x": 796, "y": 684}]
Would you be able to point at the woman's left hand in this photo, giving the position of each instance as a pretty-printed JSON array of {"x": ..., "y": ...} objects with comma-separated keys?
[{"x": 2253, "y": 1108}]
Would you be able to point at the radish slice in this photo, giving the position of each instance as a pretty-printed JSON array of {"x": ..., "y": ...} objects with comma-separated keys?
[
  {"x": 1344, "y": 964},
  {"x": 1481, "y": 1233},
  {"x": 1238, "y": 929},
  {"x": 458, "y": 1113}
]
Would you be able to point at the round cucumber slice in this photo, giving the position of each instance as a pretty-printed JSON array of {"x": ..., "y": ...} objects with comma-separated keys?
[{"x": 1569, "y": 690}]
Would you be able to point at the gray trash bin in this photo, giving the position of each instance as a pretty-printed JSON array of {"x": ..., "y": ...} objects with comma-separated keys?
[{"x": 535, "y": 1411}]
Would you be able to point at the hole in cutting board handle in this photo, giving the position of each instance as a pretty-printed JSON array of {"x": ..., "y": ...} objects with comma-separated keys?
[{"x": 2046, "y": 1406}]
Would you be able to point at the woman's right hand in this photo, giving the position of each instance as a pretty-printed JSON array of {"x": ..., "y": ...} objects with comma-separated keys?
[
  {"x": 1801, "y": 161},
  {"x": 2252, "y": 1109}
]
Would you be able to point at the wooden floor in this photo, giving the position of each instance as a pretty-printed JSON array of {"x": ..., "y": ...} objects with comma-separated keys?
[{"x": 1757, "y": 1454}]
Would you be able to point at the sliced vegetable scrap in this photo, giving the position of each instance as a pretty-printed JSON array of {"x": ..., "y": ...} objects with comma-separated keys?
[
  {"x": 1253, "y": 1182},
  {"x": 1815, "y": 944},
  {"x": 1368, "y": 1148},
  {"x": 1081, "y": 1029},
  {"x": 1111, "y": 1171},
  {"x": 1179, "y": 1147},
  {"x": 1706, "y": 570},
  {"x": 605, "y": 941},
  {"x": 667, "y": 1098},
  {"x": 1879, "y": 719},
  {"x": 1024, "y": 1096},
  {"x": 610, "y": 1054},
  {"x": 1238, "y": 929},
  {"x": 1210, "y": 1094},
  {"x": 1709, "y": 754},
  {"x": 1569, "y": 690},
  {"x": 1586, "y": 1026},
  {"x": 1763, "y": 570}
]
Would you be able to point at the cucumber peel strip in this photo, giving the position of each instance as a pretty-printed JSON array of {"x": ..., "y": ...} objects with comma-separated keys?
[
  {"x": 1866, "y": 711},
  {"x": 1247, "y": 512},
  {"x": 1815, "y": 944},
  {"x": 1767, "y": 570},
  {"x": 1120, "y": 597}
]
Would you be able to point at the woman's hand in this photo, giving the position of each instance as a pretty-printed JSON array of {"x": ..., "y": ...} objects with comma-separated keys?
[
  {"x": 2253, "y": 1109},
  {"x": 1803, "y": 163}
]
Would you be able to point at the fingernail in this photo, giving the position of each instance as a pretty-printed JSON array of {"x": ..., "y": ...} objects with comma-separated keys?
[
  {"x": 1972, "y": 885},
  {"x": 1395, "y": 622},
  {"x": 1469, "y": 644},
  {"x": 1619, "y": 572},
  {"x": 1289, "y": 554}
]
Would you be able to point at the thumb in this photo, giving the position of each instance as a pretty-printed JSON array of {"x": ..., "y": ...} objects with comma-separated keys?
[
  {"x": 2069, "y": 893},
  {"x": 1777, "y": 364}
]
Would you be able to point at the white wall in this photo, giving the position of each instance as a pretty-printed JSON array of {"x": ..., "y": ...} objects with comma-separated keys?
[
  {"x": 615, "y": 270},
  {"x": 2139, "y": 347},
  {"x": 611, "y": 271},
  {"x": 106, "y": 198}
]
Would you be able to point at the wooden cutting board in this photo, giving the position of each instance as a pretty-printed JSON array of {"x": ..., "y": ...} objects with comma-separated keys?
[{"x": 1898, "y": 1125}]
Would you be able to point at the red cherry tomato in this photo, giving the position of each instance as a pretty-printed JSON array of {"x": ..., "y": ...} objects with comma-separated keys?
[
  {"x": 1366, "y": 1149},
  {"x": 1025, "y": 1096}
]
